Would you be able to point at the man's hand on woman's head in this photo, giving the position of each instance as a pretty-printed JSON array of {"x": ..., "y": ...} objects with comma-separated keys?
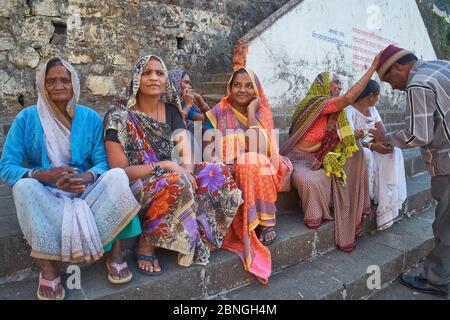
[{"x": 376, "y": 60}]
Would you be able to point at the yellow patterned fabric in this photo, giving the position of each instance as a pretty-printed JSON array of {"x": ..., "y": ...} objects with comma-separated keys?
[
  {"x": 317, "y": 97},
  {"x": 334, "y": 161}
]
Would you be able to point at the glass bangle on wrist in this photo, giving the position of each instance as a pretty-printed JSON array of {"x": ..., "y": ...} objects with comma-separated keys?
[
  {"x": 94, "y": 175},
  {"x": 32, "y": 173}
]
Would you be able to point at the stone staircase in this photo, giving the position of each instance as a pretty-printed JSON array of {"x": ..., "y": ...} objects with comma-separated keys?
[
  {"x": 305, "y": 262},
  {"x": 215, "y": 89}
]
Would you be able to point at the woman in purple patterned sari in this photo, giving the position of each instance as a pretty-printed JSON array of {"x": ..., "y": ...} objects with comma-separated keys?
[{"x": 187, "y": 208}]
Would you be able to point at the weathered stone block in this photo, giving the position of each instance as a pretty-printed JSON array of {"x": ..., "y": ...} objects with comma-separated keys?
[
  {"x": 8, "y": 85},
  {"x": 23, "y": 58},
  {"x": 97, "y": 69},
  {"x": 37, "y": 30},
  {"x": 45, "y": 8},
  {"x": 79, "y": 58},
  {"x": 6, "y": 43},
  {"x": 101, "y": 85},
  {"x": 9, "y": 7}
]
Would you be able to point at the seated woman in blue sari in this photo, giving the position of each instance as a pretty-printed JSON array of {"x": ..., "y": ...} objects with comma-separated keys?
[{"x": 69, "y": 206}]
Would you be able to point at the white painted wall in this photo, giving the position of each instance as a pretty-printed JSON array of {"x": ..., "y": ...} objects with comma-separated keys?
[{"x": 288, "y": 55}]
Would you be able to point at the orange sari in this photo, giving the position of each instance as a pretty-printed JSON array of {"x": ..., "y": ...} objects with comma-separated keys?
[{"x": 258, "y": 176}]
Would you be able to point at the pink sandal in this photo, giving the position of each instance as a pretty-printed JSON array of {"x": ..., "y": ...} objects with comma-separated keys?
[
  {"x": 118, "y": 267},
  {"x": 50, "y": 284}
]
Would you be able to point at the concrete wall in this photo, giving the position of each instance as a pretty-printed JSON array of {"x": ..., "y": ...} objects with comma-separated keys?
[
  {"x": 103, "y": 39},
  {"x": 337, "y": 35}
]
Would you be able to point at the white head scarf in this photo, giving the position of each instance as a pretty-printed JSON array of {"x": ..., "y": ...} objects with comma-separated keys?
[{"x": 56, "y": 124}]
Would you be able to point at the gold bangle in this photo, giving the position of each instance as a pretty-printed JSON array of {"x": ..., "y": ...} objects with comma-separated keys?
[{"x": 370, "y": 146}]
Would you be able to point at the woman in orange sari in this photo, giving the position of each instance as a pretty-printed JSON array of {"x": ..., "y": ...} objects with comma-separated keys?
[{"x": 244, "y": 130}]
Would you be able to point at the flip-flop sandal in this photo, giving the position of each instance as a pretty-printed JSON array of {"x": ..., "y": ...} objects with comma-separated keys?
[
  {"x": 151, "y": 259},
  {"x": 51, "y": 284},
  {"x": 262, "y": 233},
  {"x": 118, "y": 267}
]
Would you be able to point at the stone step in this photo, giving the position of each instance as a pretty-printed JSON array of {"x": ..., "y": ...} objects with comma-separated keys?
[
  {"x": 282, "y": 121},
  {"x": 392, "y": 116},
  {"x": 397, "y": 291},
  {"x": 221, "y": 77},
  {"x": 391, "y": 127},
  {"x": 5, "y": 124},
  {"x": 344, "y": 276},
  {"x": 7, "y": 207},
  {"x": 218, "y": 87},
  {"x": 283, "y": 135},
  {"x": 413, "y": 162},
  {"x": 224, "y": 273},
  {"x": 14, "y": 251},
  {"x": 212, "y": 99},
  {"x": 5, "y": 190}
]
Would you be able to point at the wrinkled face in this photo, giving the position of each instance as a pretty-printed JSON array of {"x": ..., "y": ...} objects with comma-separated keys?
[
  {"x": 397, "y": 76},
  {"x": 185, "y": 82},
  {"x": 242, "y": 91},
  {"x": 153, "y": 80},
  {"x": 336, "y": 86},
  {"x": 58, "y": 84}
]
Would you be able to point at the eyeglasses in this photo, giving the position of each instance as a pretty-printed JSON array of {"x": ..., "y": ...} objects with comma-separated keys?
[{"x": 54, "y": 82}]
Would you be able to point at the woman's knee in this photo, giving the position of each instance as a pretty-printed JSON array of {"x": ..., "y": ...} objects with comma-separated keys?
[
  {"x": 184, "y": 185},
  {"x": 253, "y": 163},
  {"x": 252, "y": 158},
  {"x": 25, "y": 185},
  {"x": 314, "y": 179},
  {"x": 116, "y": 176}
]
